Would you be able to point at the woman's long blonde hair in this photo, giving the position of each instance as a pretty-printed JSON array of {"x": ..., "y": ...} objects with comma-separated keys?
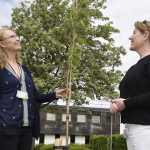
[{"x": 3, "y": 55}]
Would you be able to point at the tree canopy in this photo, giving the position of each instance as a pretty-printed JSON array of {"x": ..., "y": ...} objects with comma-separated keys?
[{"x": 47, "y": 29}]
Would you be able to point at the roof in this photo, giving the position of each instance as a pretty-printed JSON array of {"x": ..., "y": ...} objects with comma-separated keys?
[{"x": 91, "y": 103}]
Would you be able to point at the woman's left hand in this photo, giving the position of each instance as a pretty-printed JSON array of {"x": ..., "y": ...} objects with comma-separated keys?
[{"x": 61, "y": 93}]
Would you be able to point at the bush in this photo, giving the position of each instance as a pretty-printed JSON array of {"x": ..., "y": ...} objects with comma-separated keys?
[
  {"x": 99, "y": 142},
  {"x": 43, "y": 147},
  {"x": 71, "y": 147},
  {"x": 118, "y": 142},
  {"x": 78, "y": 147}
]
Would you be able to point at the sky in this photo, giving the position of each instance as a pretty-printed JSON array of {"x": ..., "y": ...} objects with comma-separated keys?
[{"x": 123, "y": 14}]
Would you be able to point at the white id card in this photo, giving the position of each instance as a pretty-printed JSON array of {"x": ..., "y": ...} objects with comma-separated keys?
[{"x": 21, "y": 94}]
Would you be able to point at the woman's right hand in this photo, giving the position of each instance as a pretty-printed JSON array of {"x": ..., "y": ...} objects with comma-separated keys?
[
  {"x": 117, "y": 105},
  {"x": 113, "y": 108}
]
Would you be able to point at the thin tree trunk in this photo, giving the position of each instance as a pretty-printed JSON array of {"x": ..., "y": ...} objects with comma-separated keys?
[{"x": 69, "y": 81}]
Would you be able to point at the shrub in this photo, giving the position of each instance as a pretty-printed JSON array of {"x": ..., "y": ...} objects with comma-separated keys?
[
  {"x": 43, "y": 147},
  {"x": 71, "y": 147},
  {"x": 99, "y": 142},
  {"x": 78, "y": 147},
  {"x": 118, "y": 142}
]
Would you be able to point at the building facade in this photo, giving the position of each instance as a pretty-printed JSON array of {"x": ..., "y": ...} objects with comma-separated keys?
[{"x": 83, "y": 122}]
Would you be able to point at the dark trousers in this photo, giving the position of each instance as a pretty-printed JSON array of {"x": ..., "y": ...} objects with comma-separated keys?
[{"x": 15, "y": 138}]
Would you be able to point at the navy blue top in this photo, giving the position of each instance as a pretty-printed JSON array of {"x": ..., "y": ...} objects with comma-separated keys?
[{"x": 11, "y": 107}]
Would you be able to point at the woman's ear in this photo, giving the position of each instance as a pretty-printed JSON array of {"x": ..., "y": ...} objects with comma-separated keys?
[
  {"x": 1, "y": 44},
  {"x": 146, "y": 35}
]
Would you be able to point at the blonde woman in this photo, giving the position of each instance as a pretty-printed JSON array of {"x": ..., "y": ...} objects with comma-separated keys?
[
  {"x": 134, "y": 101},
  {"x": 19, "y": 118}
]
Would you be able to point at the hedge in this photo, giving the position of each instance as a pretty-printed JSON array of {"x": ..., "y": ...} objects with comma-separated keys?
[
  {"x": 102, "y": 142},
  {"x": 79, "y": 147},
  {"x": 71, "y": 147},
  {"x": 43, "y": 147},
  {"x": 118, "y": 142},
  {"x": 97, "y": 142}
]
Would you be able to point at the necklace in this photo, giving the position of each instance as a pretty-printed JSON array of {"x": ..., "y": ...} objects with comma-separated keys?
[{"x": 20, "y": 71}]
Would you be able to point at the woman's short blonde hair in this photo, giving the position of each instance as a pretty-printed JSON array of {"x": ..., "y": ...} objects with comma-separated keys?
[
  {"x": 3, "y": 54},
  {"x": 143, "y": 26}
]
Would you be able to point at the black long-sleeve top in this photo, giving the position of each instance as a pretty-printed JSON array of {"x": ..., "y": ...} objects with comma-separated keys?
[{"x": 135, "y": 88}]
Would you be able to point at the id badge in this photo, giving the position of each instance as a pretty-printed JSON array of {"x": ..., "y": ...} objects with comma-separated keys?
[{"x": 22, "y": 94}]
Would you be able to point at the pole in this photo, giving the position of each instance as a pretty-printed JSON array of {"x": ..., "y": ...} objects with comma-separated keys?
[{"x": 111, "y": 126}]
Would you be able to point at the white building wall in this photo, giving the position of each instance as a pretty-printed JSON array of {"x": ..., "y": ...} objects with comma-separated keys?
[
  {"x": 64, "y": 140},
  {"x": 36, "y": 142},
  {"x": 49, "y": 139},
  {"x": 80, "y": 139}
]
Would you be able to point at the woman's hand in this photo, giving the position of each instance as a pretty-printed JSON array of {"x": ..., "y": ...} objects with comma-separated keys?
[
  {"x": 61, "y": 93},
  {"x": 117, "y": 105}
]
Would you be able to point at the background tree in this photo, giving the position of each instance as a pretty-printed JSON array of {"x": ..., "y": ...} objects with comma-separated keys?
[{"x": 47, "y": 28}]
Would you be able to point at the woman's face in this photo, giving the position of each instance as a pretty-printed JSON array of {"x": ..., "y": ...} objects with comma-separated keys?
[
  {"x": 137, "y": 40},
  {"x": 10, "y": 41}
]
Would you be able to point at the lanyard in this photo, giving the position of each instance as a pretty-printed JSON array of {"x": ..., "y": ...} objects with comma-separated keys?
[{"x": 20, "y": 71}]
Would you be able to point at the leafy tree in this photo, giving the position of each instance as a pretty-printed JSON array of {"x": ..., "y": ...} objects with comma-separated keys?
[{"x": 54, "y": 32}]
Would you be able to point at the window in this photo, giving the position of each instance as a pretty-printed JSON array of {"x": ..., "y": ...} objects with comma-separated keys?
[
  {"x": 87, "y": 139},
  {"x": 95, "y": 119},
  {"x": 41, "y": 138},
  {"x": 57, "y": 136},
  {"x": 64, "y": 117},
  {"x": 108, "y": 118},
  {"x": 51, "y": 117},
  {"x": 72, "y": 138},
  {"x": 81, "y": 118}
]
